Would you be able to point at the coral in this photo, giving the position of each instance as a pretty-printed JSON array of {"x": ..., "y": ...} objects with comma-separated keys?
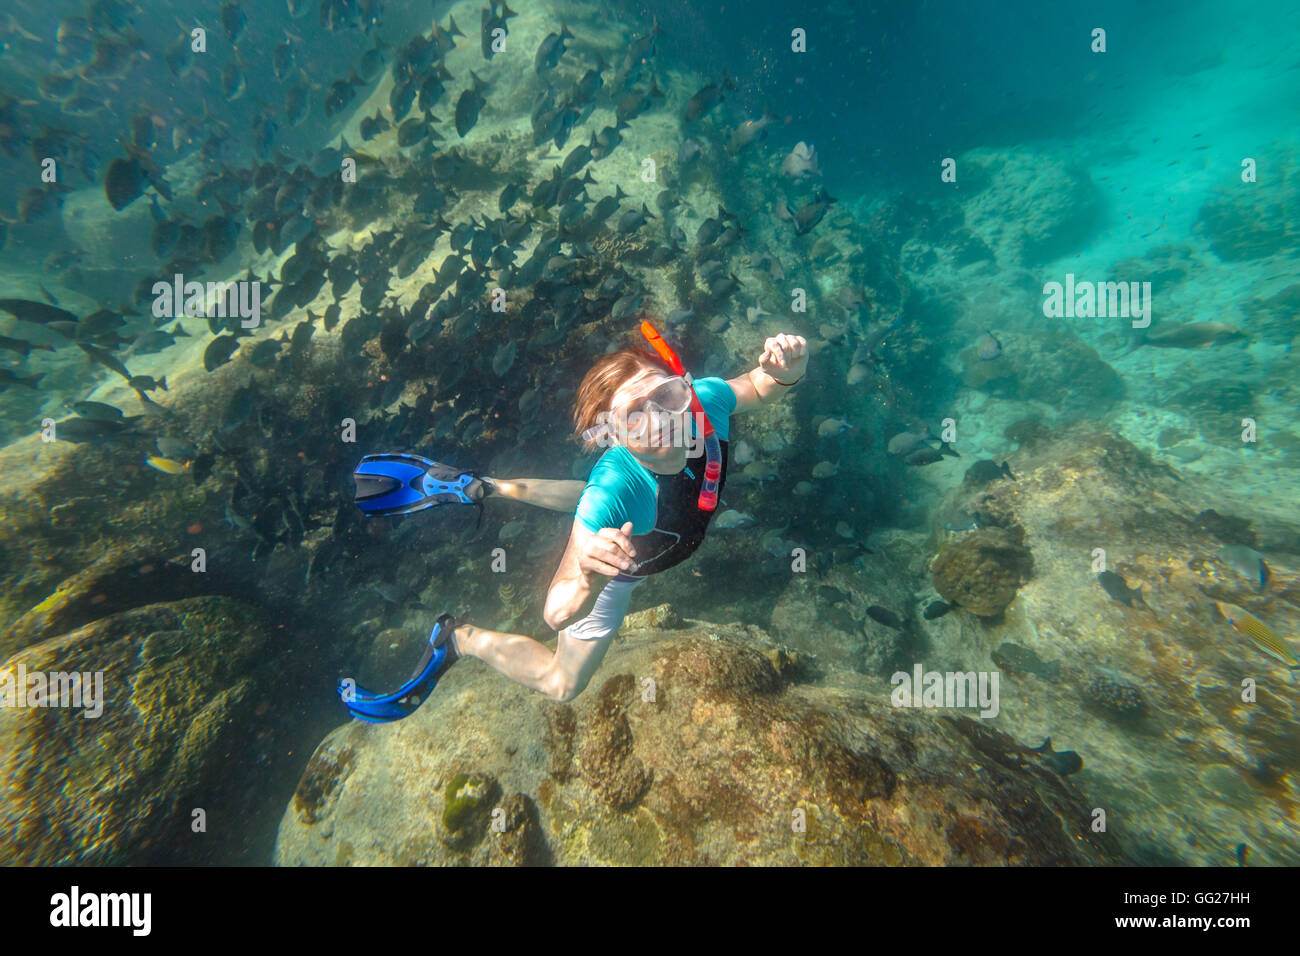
[{"x": 982, "y": 570}]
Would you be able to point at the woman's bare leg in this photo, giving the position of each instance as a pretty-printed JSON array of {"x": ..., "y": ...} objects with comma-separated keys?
[
  {"x": 555, "y": 494},
  {"x": 561, "y": 674}
]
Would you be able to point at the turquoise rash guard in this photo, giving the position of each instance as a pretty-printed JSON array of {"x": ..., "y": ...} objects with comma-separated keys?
[{"x": 667, "y": 524}]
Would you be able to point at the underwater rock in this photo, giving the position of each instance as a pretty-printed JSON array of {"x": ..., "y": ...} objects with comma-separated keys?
[
  {"x": 982, "y": 570},
  {"x": 691, "y": 749},
  {"x": 1028, "y": 207},
  {"x": 1242, "y": 224},
  {"x": 1057, "y": 369},
  {"x": 1164, "y": 266},
  {"x": 178, "y": 684},
  {"x": 1080, "y": 488},
  {"x": 663, "y": 615}
]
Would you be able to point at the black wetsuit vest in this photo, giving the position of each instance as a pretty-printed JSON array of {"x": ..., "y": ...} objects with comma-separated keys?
[{"x": 680, "y": 523}]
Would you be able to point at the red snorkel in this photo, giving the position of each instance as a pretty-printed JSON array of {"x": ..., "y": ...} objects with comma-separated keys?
[{"x": 712, "y": 450}]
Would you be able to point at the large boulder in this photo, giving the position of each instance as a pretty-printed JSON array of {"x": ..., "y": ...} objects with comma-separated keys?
[
  {"x": 692, "y": 746},
  {"x": 180, "y": 685}
]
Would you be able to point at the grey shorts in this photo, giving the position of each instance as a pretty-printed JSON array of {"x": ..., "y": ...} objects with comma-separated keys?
[{"x": 607, "y": 613}]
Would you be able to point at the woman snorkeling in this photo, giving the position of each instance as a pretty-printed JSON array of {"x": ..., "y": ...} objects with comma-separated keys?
[{"x": 644, "y": 508}]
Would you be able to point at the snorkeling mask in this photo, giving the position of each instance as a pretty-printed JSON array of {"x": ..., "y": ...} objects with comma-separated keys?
[{"x": 674, "y": 397}]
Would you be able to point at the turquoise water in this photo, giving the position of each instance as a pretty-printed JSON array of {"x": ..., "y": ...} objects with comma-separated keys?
[{"x": 429, "y": 282}]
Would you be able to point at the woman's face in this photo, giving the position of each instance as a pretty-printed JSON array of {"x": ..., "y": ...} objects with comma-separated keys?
[{"x": 659, "y": 441}]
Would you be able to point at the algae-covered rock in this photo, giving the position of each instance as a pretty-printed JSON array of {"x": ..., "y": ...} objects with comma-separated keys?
[
  {"x": 689, "y": 748},
  {"x": 178, "y": 681},
  {"x": 983, "y": 570},
  {"x": 467, "y": 802}
]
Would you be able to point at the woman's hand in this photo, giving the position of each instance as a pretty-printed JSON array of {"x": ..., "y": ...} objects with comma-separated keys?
[
  {"x": 608, "y": 552},
  {"x": 785, "y": 357}
]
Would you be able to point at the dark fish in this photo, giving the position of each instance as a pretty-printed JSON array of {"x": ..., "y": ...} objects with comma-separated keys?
[
  {"x": 1118, "y": 589},
  {"x": 165, "y": 236},
  {"x": 233, "y": 84},
  {"x": 926, "y": 455},
  {"x": 707, "y": 98},
  {"x": 578, "y": 157},
  {"x": 123, "y": 182},
  {"x": 35, "y": 312},
  {"x": 432, "y": 88},
  {"x": 550, "y": 50},
  {"x": 883, "y": 615},
  {"x": 491, "y": 21},
  {"x": 296, "y": 104},
  {"x": 282, "y": 60},
  {"x": 144, "y": 383},
  {"x": 400, "y": 99},
  {"x": 509, "y": 196},
  {"x": 372, "y": 126},
  {"x": 633, "y": 219},
  {"x": 106, "y": 359},
  {"x": 264, "y": 353},
  {"x": 84, "y": 430},
  {"x": 233, "y": 20},
  {"x": 371, "y": 61},
  {"x": 412, "y": 131},
  {"x": 343, "y": 92},
  {"x": 723, "y": 286},
  {"x": 936, "y": 609},
  {"x": 812, "y": 212},
  {"x": 219, "y": 351},
  {"x": 1022, "y": 660},
  {"x": 986, "y": 470},
  {"x": 21, "y": 346},
  {"x": 1064, "y": 762},
  {"x": 9, "y": 377},
  {"x": 468, "y": 106}
]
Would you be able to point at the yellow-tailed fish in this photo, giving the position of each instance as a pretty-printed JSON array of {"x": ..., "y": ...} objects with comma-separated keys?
[
  {"x": 167, "y": 465},
  {"x": 1260, "y": 633}
]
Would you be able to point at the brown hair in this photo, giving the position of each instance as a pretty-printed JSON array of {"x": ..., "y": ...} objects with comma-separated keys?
[{"x": 607, "y": 376}]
